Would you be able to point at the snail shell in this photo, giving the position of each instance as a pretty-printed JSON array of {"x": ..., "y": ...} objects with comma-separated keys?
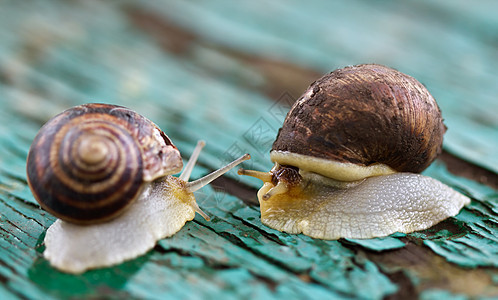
[
  {"x": 90, "y": 162},
  {"x": 346, "y": 155},
  {"x": 367, "y": 115}
]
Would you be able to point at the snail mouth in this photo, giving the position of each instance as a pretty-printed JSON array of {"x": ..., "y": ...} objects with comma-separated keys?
[
  {"x": 266, "y": 177},
  {"x": 277, "y": 181},
  {"x": 288, "y": 174}
]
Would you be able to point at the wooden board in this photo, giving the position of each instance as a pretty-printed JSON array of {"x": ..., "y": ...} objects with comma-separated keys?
[{"x": 227, "y": 72}]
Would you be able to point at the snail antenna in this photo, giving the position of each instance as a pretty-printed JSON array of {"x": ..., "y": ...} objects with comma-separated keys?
[
  {"x": 192, "y": 160},
  {"x": 264, "y": 176},
  {"x": 200, "y": 212},
  {"x": 197, "y": 184}
]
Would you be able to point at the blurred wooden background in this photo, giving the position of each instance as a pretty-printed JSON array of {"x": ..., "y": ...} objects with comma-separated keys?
[{"x": 227, "y": 72}]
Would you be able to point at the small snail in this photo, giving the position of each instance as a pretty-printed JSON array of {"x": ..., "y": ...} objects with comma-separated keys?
[
  {"x": 104, "y": 171},
  {"x": 346, "y": 157}
]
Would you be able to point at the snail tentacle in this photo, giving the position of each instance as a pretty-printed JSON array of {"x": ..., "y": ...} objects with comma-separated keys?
[
  {"x": 199, "y": 183},
  {"x": 189, "y": 167},
  {"x": 264, "y": 176}
]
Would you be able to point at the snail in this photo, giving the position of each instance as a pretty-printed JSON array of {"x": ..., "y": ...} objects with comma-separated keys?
[
  {"x": 348, "y": 155},
  {"x": 105, "y": 172}
]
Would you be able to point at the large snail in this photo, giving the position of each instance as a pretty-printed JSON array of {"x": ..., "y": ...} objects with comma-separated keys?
[
  {"x": 104, "y": 171},
  {"x": 347, "y": 155}
]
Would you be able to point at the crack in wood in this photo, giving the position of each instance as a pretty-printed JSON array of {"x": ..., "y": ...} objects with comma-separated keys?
[
  {"x": 272, "y": 237},
  {"x": 432, "y": 270},
  {"x": 235, "y": 240},
  {"x": 23, "y": 202},
  {"x": 406, "y": 288},
  {"x": 236, "y": 188},
  {"x": 465, "y": 169},
  {"x": 9, "y": 234},
  {"x": 302, "y": 276}
]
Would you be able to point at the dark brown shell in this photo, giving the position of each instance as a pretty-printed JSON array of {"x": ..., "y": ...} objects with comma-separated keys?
[
  {"x": 365, "y": 114},
  {"x": 125, "y": 149}
]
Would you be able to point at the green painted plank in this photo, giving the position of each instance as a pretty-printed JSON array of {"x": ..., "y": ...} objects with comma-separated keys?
[
  {"x": 380, "y": 244},
  {"x": 64, "y": 54}
]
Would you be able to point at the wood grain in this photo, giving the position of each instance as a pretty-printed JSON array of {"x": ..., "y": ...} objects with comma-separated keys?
[{"x": 227, "y": 73}]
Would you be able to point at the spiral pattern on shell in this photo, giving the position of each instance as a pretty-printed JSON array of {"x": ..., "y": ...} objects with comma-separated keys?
[
  {"x": 90, "y": 162},
  {"x": 365, "y": 114}
]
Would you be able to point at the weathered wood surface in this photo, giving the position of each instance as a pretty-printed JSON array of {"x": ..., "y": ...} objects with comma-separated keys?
[{"x": 226, "y": 72}]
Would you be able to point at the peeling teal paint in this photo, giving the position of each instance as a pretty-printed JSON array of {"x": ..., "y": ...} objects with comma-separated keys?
[
  {"x": 478, "y": 246},
  {"x": 208, "y": 92},
  {"x": 379, "y": 244}
]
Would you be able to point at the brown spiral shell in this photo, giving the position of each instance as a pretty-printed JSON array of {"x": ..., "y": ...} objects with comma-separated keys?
[
  {"x": 90, "y": 162},
  {"x": 365, "y": 114}
]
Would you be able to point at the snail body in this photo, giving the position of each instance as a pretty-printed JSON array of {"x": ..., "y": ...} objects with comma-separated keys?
[
  {"x": 105, "y": 172},
  {"x": 347, "y": 155},
  {"x": 161, "y": 210}
]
